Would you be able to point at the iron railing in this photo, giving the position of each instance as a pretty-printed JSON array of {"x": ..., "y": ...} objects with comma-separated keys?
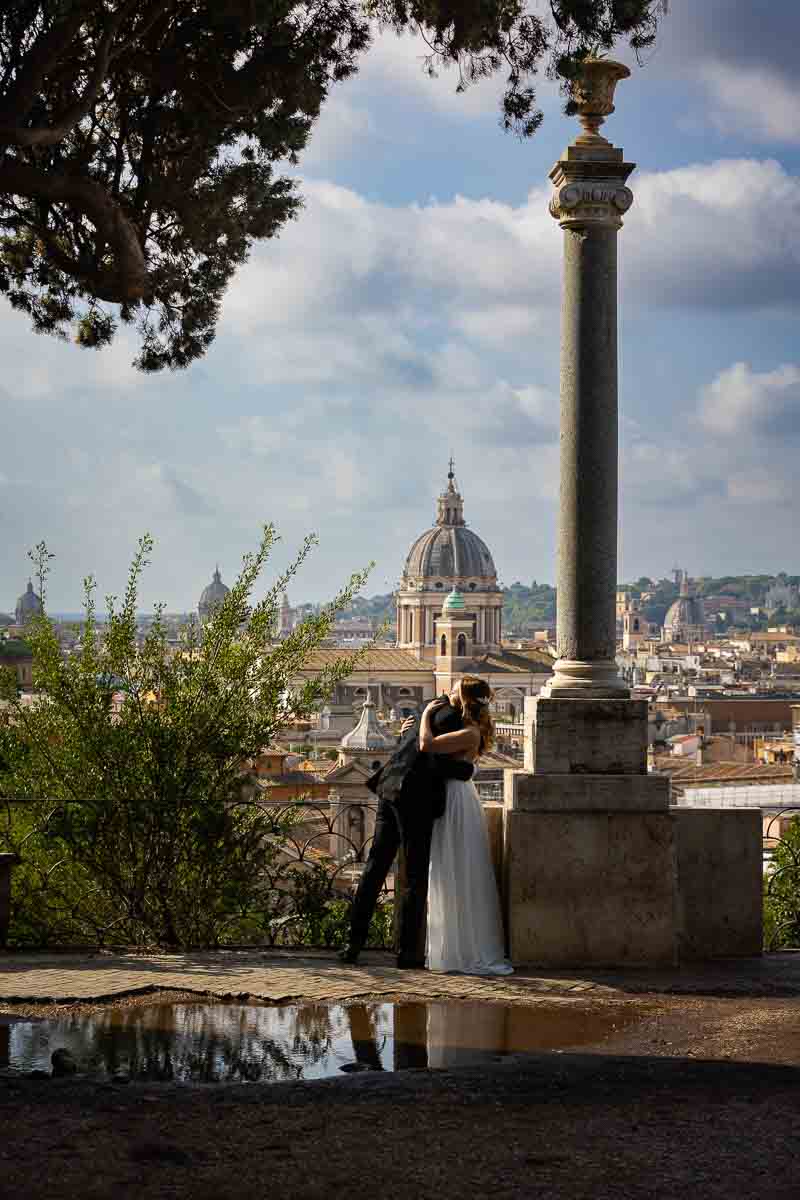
[
  {"x": 322, "y": 848},
  {"x": 316, "y": 852},
  {"x": 781, "y": 858}
]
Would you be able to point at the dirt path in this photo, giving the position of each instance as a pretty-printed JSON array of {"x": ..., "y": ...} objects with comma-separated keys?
[
  {"x": 688, "y": 1095},
  {"x": 560, "y": 1128}
]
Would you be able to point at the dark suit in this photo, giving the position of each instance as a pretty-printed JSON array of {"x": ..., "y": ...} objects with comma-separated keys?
[{"x": 411, "y": 789}]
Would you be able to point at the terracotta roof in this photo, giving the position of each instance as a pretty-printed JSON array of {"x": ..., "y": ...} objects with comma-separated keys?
[
  {"x": 687, "y": 773},
  {"x": 369, "y": 663},
  {"x": 511, "y": 662}
]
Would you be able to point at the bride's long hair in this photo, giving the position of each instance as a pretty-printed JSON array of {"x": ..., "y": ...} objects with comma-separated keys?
[{"x": 476, "y": 696}]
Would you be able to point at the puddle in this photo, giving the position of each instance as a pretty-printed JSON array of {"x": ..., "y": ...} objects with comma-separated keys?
[{"x": 232, "y": 1043}]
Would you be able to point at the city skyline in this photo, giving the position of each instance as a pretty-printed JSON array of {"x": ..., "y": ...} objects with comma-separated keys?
[{"x": 417, "y": 285}]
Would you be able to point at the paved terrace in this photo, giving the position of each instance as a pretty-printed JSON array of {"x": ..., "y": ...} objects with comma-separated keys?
[{"x": 288, "y": 976}]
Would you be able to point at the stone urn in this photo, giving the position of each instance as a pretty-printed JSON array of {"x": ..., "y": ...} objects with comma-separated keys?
[{"x": 592, "y": 96}]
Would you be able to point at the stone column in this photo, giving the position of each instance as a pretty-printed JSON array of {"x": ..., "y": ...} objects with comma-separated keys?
[
  {"x": 597, "y": 869},
  {"x": 589, "y": 849},
  {"x": 588, "y": 202}
]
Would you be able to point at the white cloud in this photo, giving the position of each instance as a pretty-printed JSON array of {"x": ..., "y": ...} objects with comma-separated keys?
[
  {"x": 752, "y": 99},
  {"x": 397, "y": 65},
  {"x": 364, "y": 344},
  {"x": 338, "y": 134},
  {"x": 740, "y": 401},
  {"x": 721, "y": 235}
]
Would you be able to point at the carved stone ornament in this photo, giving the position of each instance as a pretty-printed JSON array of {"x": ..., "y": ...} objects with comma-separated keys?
[
  {"x": 591, "y": 203},
  {"x": 592, "y": 95}
]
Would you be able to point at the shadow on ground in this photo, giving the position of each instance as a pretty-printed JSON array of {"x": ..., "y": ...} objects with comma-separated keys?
[{"x": 560, "y": 1126}]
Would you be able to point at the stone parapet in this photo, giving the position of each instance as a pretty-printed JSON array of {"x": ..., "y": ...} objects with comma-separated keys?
[
  {"x": 598, "y": 871},
  {"x": 720, "y": 882},
  {"x": 591, "y": 888},
  {"x": 586, "y": 793}
]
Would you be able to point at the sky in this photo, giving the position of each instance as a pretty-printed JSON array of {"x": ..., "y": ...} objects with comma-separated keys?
[{"x": 413, "y": 311}]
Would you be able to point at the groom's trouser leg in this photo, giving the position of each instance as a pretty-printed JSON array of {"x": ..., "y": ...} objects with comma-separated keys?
[
  {"x": 384, "y": 847},
  {"x": 413, "y": 904}
]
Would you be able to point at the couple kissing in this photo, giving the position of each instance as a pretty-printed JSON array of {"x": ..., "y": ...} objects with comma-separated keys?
[{"x": 428, "y": 804}]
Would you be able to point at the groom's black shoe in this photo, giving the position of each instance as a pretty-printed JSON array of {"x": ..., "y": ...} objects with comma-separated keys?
[
  {"x": 410, "y": 964},
  {"x": 350, "y": 954}
]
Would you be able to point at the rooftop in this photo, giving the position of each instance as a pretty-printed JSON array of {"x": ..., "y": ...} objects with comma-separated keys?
[
  {"x": 369, "y": 663},
  {"x": 685, "y": 772},
  {"x": 512, "y": 662}
]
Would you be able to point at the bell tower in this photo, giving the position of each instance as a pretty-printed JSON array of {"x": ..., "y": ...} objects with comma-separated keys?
[{"x": 454, "y": 641}]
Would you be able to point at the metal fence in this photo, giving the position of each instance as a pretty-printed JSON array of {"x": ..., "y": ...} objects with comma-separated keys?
[
  {"x": 316, "y": 870},
  {"x": 315, "y": 854},
  {"x": 781, "y": 856}
]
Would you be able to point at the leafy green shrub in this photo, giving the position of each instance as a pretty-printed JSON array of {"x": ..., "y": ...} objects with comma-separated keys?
[
  {"x": 782, "y": 892},
  {"x": 122, "y": 788}
]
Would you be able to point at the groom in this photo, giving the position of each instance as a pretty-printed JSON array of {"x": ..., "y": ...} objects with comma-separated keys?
[{"x": 411, "y": 790}]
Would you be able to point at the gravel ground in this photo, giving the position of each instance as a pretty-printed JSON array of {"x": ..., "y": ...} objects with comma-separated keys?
[
  {"x": 559, "y": 1127},
  {"x": 701, "y": 1098}
]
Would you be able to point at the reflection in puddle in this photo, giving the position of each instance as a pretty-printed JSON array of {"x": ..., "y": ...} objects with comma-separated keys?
[{"x": 230, "y": 1043}]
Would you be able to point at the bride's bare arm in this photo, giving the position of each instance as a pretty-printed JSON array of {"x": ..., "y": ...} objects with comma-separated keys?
[{"x": 461, "y": 741}]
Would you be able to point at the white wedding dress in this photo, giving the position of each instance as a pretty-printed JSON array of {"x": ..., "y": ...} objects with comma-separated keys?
[{"x": 465, "y": 930}]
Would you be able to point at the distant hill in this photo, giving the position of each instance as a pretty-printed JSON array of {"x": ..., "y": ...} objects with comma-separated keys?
[
  {"x": 524, "y": 607},
  {"x": 533, "y": 606}
]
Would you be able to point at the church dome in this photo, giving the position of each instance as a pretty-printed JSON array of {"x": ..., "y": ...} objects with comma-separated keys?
[
  {"x": 686, "y": 610},
  {"x": 686, "y": 614},
  {"x": 450, "y": 550},
  {"x": 212, "y": 595},
  {"x": 28, "y": 605}
]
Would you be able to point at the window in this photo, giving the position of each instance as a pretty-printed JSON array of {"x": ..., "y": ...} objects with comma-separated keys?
[
  {"x": 355, "y": 820},
  {"x": 461, "y": 649},
  {"x": 443, "y": 648}
]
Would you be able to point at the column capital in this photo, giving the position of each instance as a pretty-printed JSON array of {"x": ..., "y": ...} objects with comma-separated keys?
[{"x": 589, "y": 187}]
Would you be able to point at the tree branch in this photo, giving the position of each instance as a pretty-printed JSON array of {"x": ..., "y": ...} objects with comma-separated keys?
[
  {"x": 13, "y": 134},
  {"x": 43, "y": 55},
  {"x": 125, "y": 284}
]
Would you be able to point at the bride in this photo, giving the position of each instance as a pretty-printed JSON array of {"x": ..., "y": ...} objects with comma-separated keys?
[{"x": 465, "y": 931}]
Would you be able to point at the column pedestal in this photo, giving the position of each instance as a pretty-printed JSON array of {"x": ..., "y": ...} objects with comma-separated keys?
[
  {"x": 590, "y": 856},
  {"x": 598, "y": 870}
]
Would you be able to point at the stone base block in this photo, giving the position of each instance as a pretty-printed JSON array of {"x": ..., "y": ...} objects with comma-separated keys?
[
  {"x": 720, "y": 882},
  {"x": 580, "y": 737},
  {"x": 591, "y": 888},
  {"x": 493, "y": 812},
  {"x": 586, "y": 793}
]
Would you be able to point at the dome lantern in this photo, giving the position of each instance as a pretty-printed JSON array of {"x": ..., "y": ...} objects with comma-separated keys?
[{"x": 454, "y": 602}]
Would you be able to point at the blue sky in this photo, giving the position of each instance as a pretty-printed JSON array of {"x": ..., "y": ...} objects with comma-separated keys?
[{"x": 413, "y": 310}]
